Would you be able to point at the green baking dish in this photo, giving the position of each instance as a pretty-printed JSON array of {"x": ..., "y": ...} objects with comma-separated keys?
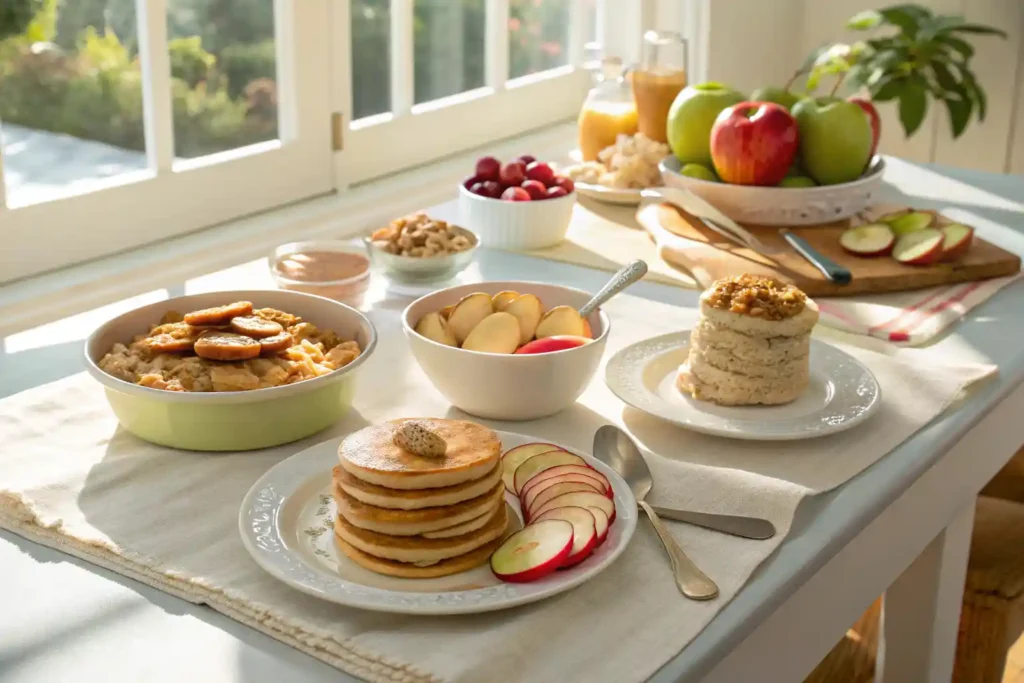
[{"x": 233, "y": 420}]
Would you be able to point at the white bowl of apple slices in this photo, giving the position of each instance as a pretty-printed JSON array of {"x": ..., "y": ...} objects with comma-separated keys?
[
  {"x": 568, "y": 506},
  {"x": 507, "y": 350},
  {"x": 913, "y": 238}
]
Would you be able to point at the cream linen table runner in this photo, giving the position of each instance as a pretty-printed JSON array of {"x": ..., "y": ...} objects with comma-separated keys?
[{"x": 72, "y": 480}]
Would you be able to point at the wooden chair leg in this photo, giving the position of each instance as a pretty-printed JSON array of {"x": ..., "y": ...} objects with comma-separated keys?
[{"x": 982, "y": 644}]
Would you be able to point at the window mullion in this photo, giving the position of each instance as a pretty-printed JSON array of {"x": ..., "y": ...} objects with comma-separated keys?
[
  {"x": 402, "y": 54},
  {"x": 496, "y": 43},
  {"x": 3, "y": 183},
  {"x": 155, "y": 62},
  {"x": 577, "y": 33}
]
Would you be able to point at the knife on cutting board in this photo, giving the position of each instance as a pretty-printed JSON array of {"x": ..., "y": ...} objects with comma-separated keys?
[{"x": 721, "y": 224}]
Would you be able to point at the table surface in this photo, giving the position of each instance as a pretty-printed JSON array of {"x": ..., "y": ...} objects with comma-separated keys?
[{"x": 68, "y": 620}]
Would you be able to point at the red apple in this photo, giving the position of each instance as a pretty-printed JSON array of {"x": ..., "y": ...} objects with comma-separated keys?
[
  {"x": 549, "y": 344},
  {"x": 513, "y": 173},
  {"x": 876, "y": 122},
  {"x": 487, "y": 168},
  {"x": 515, "y": 194},
  {"x": 538, "y": 170},
  {"x": 535, "y": 188},
  {"x": 753, "y": 143}
]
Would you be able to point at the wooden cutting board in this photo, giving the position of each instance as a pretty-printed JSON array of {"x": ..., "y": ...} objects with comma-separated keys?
[{"x": 708, "y": 257}]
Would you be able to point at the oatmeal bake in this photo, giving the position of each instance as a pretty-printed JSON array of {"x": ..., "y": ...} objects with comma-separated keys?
[
  {"x": 752, "y": 343},
  {"x": 228, "y": 348}
]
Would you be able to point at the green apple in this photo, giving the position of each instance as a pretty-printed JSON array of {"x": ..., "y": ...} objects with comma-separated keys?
[
  {"x": 691, "y": 117},
  {"x": 835, "y": 139},
  {"x": 797, "y": 181},
  {"x": 699, "y": 171},
  {"x": 777, "y": 95}
]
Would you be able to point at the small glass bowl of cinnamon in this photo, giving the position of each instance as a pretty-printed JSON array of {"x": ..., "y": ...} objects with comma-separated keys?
[{"x": 335, "y": 269}]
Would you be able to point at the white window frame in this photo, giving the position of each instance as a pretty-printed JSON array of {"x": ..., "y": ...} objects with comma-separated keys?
[
  {"x": 314, "y": 155},
  {"x": 172, "y": 198}
]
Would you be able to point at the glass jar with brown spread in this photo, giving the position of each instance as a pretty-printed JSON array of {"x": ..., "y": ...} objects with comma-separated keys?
[
  {"x": 661, "y": 76},
  {"x": 330, "y": 268}
]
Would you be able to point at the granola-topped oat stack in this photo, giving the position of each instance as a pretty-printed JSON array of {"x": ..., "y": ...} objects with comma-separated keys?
[{"x": 752, "y": 344}]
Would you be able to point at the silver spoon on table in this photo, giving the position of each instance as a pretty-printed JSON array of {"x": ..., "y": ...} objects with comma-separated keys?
[{"x": 614, "y": 447}]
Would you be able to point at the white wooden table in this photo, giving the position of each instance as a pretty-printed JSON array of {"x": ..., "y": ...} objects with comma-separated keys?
[{"x": 902, "y": 527}]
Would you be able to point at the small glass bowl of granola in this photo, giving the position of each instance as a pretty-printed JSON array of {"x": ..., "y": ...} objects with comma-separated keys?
[{"x": 420, "y": 249}]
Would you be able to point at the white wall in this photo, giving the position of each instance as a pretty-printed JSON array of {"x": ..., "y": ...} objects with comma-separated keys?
[{"x": 751, "y": 43}]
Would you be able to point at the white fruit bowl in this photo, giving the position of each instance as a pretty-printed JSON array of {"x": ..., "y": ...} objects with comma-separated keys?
[
  {"x": 503, "y": 224},
  {"x": 782, "y": 205},
  {"x": 507, "y": 386}
]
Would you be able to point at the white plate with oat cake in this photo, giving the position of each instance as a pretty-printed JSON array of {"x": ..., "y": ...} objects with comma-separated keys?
[
  {"x": 841, "y": 393},
  {"x": 287, "y": 521}
]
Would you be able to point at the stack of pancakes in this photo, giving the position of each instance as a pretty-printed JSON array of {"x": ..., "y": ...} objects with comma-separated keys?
[
  {"x": 413, "y": 516},
  {"x": 752, "y": 344}
]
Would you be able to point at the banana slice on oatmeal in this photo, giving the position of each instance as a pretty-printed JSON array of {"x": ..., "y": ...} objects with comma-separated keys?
[
  {"x": 219, "y": 315},
  {"x": 279, "y": 342},
  {"x": 226, "y": 346},
  {"x": 257, "y": 328}
]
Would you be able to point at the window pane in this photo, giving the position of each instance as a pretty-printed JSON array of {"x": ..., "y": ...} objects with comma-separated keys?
[
  {"x": 371, "y": 57},
  {"x": 449, "y": 49},
  {"x": 70, "y": 100},
  {"x": 538, "y": 35},
  {"x": 223, "y": 74}
]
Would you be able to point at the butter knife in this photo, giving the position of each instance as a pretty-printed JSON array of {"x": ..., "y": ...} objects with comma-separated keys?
[
  {"x": 711, "y": 217},
  {"x": 829, "y": 268}
]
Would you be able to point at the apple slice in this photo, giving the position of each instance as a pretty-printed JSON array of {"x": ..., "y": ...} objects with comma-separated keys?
[
  {"x": 601, "y": 523},
  {"x": 533, "y": 552},
  {"x": 888, "y": 218},
  {"x": 539, "y": 463},
  {"x": 874, "y": 239},
  {"x": 528, "y": 310},
  {"x": 912, "y": 222},
  {"x": 501, "y": 300},
  {"x": 559, "y": 321},
  {"x": 584, "y": 532},
  {"x": 528, "y": 495},
  {"x": 583, "y": 499},
  {"x": 497, "y": 333},
  {"x": 514, "y": 457},
  {"x": 435, "y": 328},
  {"x": 543, "y": 496},
  {"x": 468, "y": 313},
  {"x": 552, "y": 344},
  {"x": 447, "y": 311},
  {"x": 957, "y": 239},
  {"x": 920, "y": 248},
  {"x": 563, "y": 470}
]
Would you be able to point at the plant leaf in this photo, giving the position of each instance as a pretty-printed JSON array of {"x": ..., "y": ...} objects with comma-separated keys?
[
  {"x": 907, "y": 17},
  {"x": 937, "y": 24},
  {"x": 959, "y": 115},
  {"x": 943, "y": 75},
  {"x": 980, "y": 30},
  {"x": 913, "y": 106},
  {"x": 887, "y": 89},
  {"x": 976, "y": 92},
  {"x": 957, "y": 44},
  {"x": 863, "y": 21}
]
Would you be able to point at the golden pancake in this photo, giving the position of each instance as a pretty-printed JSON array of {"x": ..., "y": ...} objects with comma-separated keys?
[
  {"x": 412, "y": 522},
  {"x": 372, "y": 455},
  {"x": 459, "y": 529},
  {"x": 413, "y": 499},
  {"x": 405, "y": 570},
  {"x": 417, "y": 549}
]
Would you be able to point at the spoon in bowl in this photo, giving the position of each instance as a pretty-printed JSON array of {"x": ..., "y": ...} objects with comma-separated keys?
[{"x": 627, "y": 275}]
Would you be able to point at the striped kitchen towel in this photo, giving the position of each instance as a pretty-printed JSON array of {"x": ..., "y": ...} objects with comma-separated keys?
[{"x": 909, "y": 318}]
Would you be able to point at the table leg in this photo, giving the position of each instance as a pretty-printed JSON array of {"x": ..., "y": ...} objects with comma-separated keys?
[{"x": 921, "y": 609}]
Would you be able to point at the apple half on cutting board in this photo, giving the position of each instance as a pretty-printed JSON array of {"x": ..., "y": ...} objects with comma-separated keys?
[{"x": 920, "y": 248}]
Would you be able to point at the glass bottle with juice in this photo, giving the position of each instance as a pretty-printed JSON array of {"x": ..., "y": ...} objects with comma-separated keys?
[
  {"x": 609, "y": 110},
  {"x": 659, "y": 79}
]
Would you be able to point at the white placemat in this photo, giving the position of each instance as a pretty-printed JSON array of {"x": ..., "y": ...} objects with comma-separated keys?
[{"x": 71, "y": 479}]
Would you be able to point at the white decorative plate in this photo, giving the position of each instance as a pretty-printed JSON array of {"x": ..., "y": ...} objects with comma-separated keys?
[
  {"x": 609, "y": 195},
  {"x": 286, "y": 522},
  {"x": 842, "y": 393}
]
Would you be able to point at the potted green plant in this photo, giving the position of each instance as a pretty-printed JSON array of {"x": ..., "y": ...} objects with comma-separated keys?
[{"x": 913, "y": 55}]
